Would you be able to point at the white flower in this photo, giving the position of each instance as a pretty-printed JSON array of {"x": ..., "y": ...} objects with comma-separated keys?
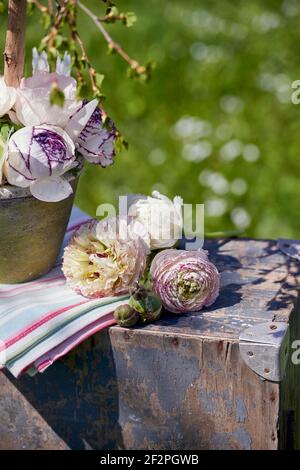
[
  {"x": 37, "y": 157},
  {"x": 7, "y": 97},
  {"x": 161, "y": 217},
  {"x": 96, "y": 143}
]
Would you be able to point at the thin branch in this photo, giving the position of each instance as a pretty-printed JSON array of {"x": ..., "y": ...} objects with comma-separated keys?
[
  {"x": 76, "y": 38},
  {"x": 39, "y": 5},
  {"x": 110, "y": 19},
  {"x": 59, "y": 17},
  {"x": 50, "y": 7},
  {"x": 91, "y": 69},
  {"x": 112, "y": 44}
]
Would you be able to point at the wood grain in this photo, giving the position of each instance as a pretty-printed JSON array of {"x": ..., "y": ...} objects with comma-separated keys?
[{"x": 15, "y": 42}]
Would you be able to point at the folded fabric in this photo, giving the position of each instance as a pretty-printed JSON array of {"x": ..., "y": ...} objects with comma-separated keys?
[{"x": 42, "y": 320}]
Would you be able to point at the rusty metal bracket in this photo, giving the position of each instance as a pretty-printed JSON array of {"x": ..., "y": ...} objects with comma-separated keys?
[{"x": 264, "y": 348}]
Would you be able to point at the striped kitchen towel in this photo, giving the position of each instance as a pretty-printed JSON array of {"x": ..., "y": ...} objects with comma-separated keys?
[{"x": 42, "y": 320}]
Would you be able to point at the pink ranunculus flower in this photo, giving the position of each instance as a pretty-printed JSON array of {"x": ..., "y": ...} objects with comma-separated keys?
[
  {"x": 186, "y": 281},
  {"x": 96, "y": 143},
  {"x": 33, "y": 106},
  {"x": 37, "y": 157},
  {"x": 98, "y": 262}
]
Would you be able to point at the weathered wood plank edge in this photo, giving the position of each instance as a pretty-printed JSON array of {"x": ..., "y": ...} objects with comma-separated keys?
[{"x": 128, "y": 333}]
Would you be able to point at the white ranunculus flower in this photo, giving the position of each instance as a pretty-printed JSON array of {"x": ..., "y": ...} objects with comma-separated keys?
[
  {"x": 161, "y": 217},
  {"x": 8, "y": 96},
  {"x": 37, "y": 157}
]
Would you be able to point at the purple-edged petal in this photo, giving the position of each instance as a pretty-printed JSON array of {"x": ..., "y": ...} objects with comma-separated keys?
[
  {"x": 96, "y": 143},
  {"x": 80, "y": 118}
]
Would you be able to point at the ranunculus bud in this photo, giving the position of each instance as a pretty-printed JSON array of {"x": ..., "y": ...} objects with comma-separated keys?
[
  {"x": 147, "y": 304},
  {"x": 126, "y": 316},
  {"x": 186, "y": 281}
]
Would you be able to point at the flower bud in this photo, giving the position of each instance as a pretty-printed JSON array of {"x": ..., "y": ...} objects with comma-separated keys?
[
  {"x": 126, "y": 316},
  {"x": 147, "y": 304}
]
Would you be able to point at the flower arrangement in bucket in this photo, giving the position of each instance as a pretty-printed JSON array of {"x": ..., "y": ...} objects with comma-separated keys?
[
  {"x": 123, "y": 269},
  {"x": 50, "y": 123},
  {"x": 48, "y": 129}
]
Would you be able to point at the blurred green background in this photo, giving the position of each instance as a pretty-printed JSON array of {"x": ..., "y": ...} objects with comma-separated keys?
[{"x": 216, "y": 123}]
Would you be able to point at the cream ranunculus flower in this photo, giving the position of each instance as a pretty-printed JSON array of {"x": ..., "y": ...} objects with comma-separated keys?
[
  {"x": 161, "y": 217},
  {"x": 7, "y": 97},
  {"x": 98, "y": 262},
  {"x": 37, "y": 157}
]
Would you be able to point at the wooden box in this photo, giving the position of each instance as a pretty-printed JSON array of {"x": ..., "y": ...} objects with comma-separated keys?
[{"x": 220, "y": 379}]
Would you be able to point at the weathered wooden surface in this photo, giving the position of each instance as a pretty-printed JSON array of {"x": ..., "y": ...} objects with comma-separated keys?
[{"x": 179, "y": 383}]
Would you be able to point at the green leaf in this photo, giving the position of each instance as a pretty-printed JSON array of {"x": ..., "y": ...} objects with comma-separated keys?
[
  {"x": 30, "y": 8},
  {"x": 83, "y": 91},
  {"x": 130, "y": 18},
  {"x": 99, "y": 80},
  {"x": 46, "y": 20},
  {"x": 2, "y": 7},
  {"x": 57, "y": 96},
  {"x": 111, "y": 49},
  {"x": 99, "y": 96},
  {"x": 58, "y": 40},
  {"x": 5, "y": 131},
  {"x": 112, "y": 11},
  {"x": 120, "y": 144}
]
